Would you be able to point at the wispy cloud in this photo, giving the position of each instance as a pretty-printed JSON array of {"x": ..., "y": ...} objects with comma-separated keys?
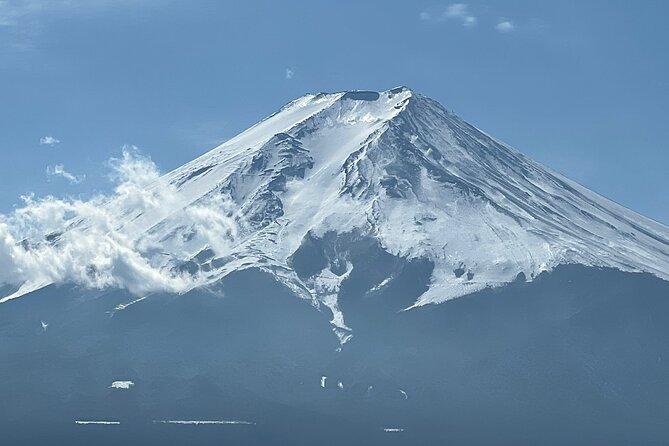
[
  {"x": 462, "y": 13},
  {"x": 59, "y": 171},
  {"x": 505, "y": 26},
  {"x": 455, "y": 11},
  {"x": 101, "y": 250},
  {"x": 49, "y": 141},
  {"x": 21, "y": 21},
  {"x": 470, "y": 21},
  {"x": 290, "y": 73},
  {"x": 13, "y": 12}
]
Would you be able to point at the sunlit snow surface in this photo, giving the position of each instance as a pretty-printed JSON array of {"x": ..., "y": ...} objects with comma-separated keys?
[
  {"x": 97, "y": 423},
  {"x": 394, "y": 165},
  {"x": 203, "y": 422}
]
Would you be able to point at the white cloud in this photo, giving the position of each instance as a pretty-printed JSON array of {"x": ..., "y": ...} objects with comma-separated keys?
[
  {"x": 125, "y": 385},
  {"x": 470, "y": 21},
  {"x": 59, "y": 171},
  {"x": 454, "y": 11},
  {"x": 93, "y": 243},
  {"x": 48, "y": 141},
  {"x": 505, "y": 26},
  {"x": 290, "y": 73}
]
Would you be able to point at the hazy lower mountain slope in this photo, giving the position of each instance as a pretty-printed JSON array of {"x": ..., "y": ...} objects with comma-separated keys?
[{"x": 575, "y": 357}]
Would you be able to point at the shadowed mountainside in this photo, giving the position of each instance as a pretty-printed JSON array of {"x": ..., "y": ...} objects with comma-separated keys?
[{"x": 577, "y": 356}]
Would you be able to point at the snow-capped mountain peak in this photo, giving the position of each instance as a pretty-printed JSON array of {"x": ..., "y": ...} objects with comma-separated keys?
[
  {"x": 396, "y": 168},
  {"x": 400, "y": 168}
]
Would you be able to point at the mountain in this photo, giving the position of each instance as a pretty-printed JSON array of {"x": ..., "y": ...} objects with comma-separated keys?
[
  {"x": 399, "y": 170},
  {"x": 398, "y": 167},
  {"x": 361, "y": 267}
]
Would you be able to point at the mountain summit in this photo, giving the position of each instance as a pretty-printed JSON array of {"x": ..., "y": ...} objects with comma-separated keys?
[{"x": 332, "y": 176}]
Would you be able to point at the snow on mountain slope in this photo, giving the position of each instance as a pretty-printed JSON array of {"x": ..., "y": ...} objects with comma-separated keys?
[{"x": 395, "y": 166}]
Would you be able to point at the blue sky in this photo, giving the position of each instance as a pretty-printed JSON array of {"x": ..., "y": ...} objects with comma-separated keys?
[{"x": 580, "y": 86}]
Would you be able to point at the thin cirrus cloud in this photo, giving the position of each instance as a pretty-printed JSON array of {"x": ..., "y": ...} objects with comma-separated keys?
[
  {"x": 48, "y": 141},
  {"x": 59, "y": 171},
  {"x": 22, "y": 21},
  {"x": 456, "y": 11},
  {"x": 24, "y": 12},
  {"x": 290, "y": 73}
]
